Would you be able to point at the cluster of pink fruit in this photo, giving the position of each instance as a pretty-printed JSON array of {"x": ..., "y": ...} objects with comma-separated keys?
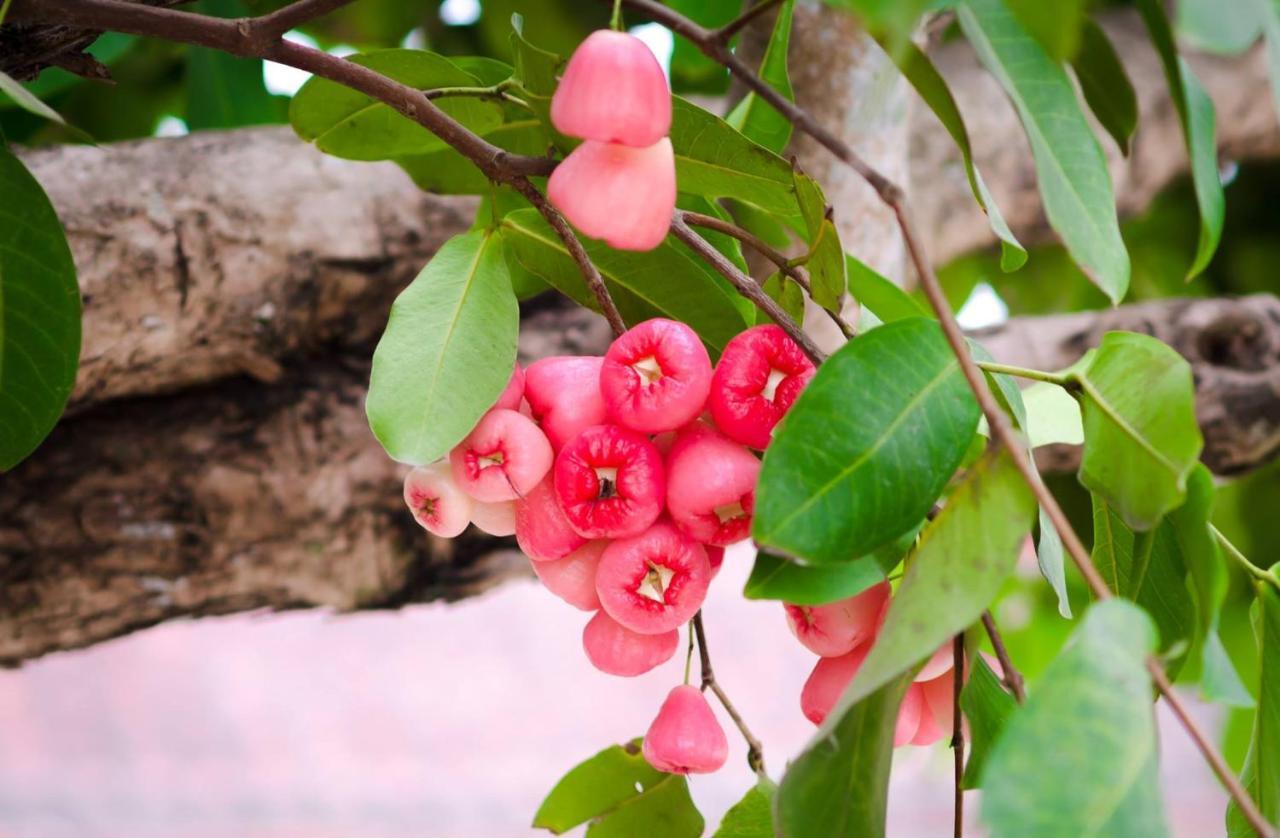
[
  {"x": 623, "y": 478},
  {"x": 842, "y": 633},
  {"x": 619, "y": 185}
]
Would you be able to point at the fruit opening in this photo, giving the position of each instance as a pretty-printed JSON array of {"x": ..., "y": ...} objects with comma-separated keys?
[
  {"x": 649, "y": 370},
  {"x": 771, "y": 383},
  {"x": 608, "y": 478},
  {"x": 655, "y": 583},
  {"x": 487, "y": 460},
  {"x": 729, "y": 511}
]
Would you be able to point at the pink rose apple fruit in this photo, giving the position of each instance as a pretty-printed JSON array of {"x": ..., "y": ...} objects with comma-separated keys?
[
  {"x": 711, "y": 486},
  {"x": 610, "y": 482},
  {"x": 655, "y": 377},
  {"x": 758, "y": 378},
  {"x": 503, "y": 457},
  {"x": 616, "y": 650},
  {"x": 837, "y": 628},
  {"x": 613, "y": 90},
  {"x": 563, "y": 393},
  {"x": 622, "y": 195},
  {"x": 542, "y": 531},
  {"x": 573, "y": 578},
  {"x": 653, "y": 582},
  {"x": 685, "y": 738},
  {"x": 438, "y": 504}
]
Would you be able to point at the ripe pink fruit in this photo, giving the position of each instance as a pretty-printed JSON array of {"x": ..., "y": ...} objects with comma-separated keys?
[
  {"x": 715, "y": 558},
  {"x": 711, "y": 486},
  {"x": 910, "y": 712},
  {"x": 617, "y": 193},
  {"x": 438, "y": 504},
  {"x": 917, "y": 720},
  {"x": 938, "y": 665},
  {"x": 613, "y": 90},
  {"x": 542, "y": 531},
  {"x": 616, "y": 650},
  {"x": 655, "y": 377},
  {"x": 937, "y": 708},
  {"x": 653, "y": 582},
  {"x": 610, "y": 482},
  {"x": 758, "y": 378},
  {"x": 514, "y": 392},
  {"x": 564, "y": 396},
  {"x": 573, "y": 578},
  {"x": 495, "y": 518},
  {"x": 685, "y": 738},
  {"x": 827, "y": 682},
  {"x": 503, "y": 457},
  {"x": 839, "y": 627}
]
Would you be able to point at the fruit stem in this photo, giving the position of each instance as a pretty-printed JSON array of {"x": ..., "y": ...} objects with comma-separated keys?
[
  {"x": 755, "y": 751},
  {"x": 1010, "y": 675},
  {"x": 615, "y": 22}
]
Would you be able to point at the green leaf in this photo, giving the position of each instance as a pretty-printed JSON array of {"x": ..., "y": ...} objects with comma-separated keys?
[
  {"x": 1106, "y": 85},
  {"x": 690, "y": 69},
  {"x": 1053, "y": 417},
  {"x": 722, "y": 242},
  {"x": 223, "y": 90},
  {"x": 535, "y": 68},
  {"x": 39, "y": 314},
  {"x": 1070, "y": 166},
  {"x": 447, "y": 172},
  {"x": 753, "y": 116},
  {"x": 891, "y": 21},
  {"x": 715, "y": 161},
  {"x": 879, "y": 295},
  {"x": 346, "y": 123},
  {"x": 1091, "y": 714},
  {"x": 752, "y": 816},
  {"x": 1056, "y": 26},
  {"x": 447, "y": 352},
  {"x": 786, "y": 293},
  {"x": 668, "y": 281},
  {"x": 1195, "y": 112},
  {"x": 1147, "y": 568},
  {"x": 617, "y": 791},
  {"x": 1141, "y": 439},
  {"x": 825, "y": 259},
  {"x": 1261, "y": 775},
  {"x": 988, "y": 708},
  {"x": 1202, "y": 24},
  {"x": 920, "y": 71},
  {"x": 868, "y": 446},
  {"x": 839, "y": 785},
  {"x": 1051, "y": 560},
  {"x": 964, "y": 556},
  {"x": 27, "y": 100},
  {"x": 775, "y": 578}
]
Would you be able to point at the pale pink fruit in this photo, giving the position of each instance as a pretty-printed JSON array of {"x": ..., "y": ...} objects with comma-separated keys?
[
  {"x": 711, "y": 486},
  {"x": 610, "y": 482},
  {"x": 758, "y": 378},
  {"x": 937, "y": 665},
  {"x": 910, "y": 713},
  {"x": 542, "y": 531},
  {"x": 622, "y": 195},
  {"x": 573, "y": 578},
  {"x": 685, "y": 738},
  {"x": 839, "y": 627},
  {"x": 827, "y": 682},
  {"x": 653, "y": 582},
  {"x": 613, "y": 90},
  {"x": 497, "y": 519},
  {"x": 655, "y": 377},
  {"x": 514, "y": 392},
  {"x": 437, "y": 502},
  {"x": 503, "y": 458},
  {"x": 616, "y": 650},
  {"x": 937, "y": 708},
  {"x": 563, "y": 393}
]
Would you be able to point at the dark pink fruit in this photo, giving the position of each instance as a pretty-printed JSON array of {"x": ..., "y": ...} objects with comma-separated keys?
[
  {"x": 610, "y": 482},
  {"x": 715, "y": 557},
  {"x": 573, "y": 578},
  {"x": 655, "y": 377},
  {"x": 542, "y": 531},
  {"x": 563, "y": 393},
  {"x": 758, "y": 378},
  {"x": 503, "y": 458},
  {"x": 685, "y": 738},
  {"x": 838, "y": 628},
  {"x": 617, "y": 650},
  {"x": 653, "y": 582},
  {"x": 711, "y": 486}
]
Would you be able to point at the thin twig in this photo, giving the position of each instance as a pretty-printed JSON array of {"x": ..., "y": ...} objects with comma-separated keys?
[
  {"x": 1241, "y": 559},
  {"x": 745, "y": 285},
  {"x": 271, "y": 26},
  {"x": 1010, "y": 675},
  {"x": 755, "y": 751},
  {"x": 725, "y": 33},
  {"x": 778, "y": 258},
  {"x": 957, "y": 729}
]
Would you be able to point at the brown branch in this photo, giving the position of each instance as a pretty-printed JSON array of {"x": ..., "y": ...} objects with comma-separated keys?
[
  {"x": 274, "y": 25},
  {"x": 957, "y": 729},
  {"x": 745, "y": 285},
  {"x": 1011, "y": 677},
  {"x": 725, "y": 33},
  {"x": 755, "y": 751}
]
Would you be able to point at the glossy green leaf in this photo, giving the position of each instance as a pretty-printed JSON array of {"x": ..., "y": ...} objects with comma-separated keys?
[
  {"x": 786, "y": 293},
  {"x": 223, "y": 90},
  {"x": 1091, "y": 718},
  {"x": 668, "y": 281},
  {"x": 1053, "y": 417},
  {"x": 447, "y": 172},
  {"x": 715, "y": 161},
  {"x": 27, "y": 100},
  {"x": 879, "y": 295},
  {"x": 1105, "y": 85},
  {"x": 775, "y": 578},
  {"x": 1056, "y": 26},
  {"x": 447, "y": 352},
  {"x": 1195, "y": 113},
  {"x": 868, "y": 446},
  {"x": 920, "y": 71},
  {"x": 346, "y": 123},
  {"x": 988, "y": 708},
  {"x": 665, "y": 809},
  {"x": 1261, "y": 775},
  {"x": 1141, "y": 439},
  {"x": 1070, "y": 166},
  {"x": 825, "y": 260},
  {"x": 752, "y": 816},
  {"x": 963, "y": 557},
  {"x": 839, "y": 785},
  {"x": 39, "y": 314},
  {"x": 753, "y": 116}
]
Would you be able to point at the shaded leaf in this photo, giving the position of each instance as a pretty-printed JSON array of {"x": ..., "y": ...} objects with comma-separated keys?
[
  {"x": 1105, "y": 85},
  {"x": 987, "y": 707},
  {"x": 1050, "y": 557},
  {"x": 892, "y": 21},
  {"x": 1202, "y": 24},
  {"x": 1261, "y": 775},
  {"x": 877, "y": 294},
  {"x": 27, "y": 100},
  {"x": 753, "y": 116},
  {"x": 825, "y": 259},
  {"x": 223, "y": 90},
  {"x": 775, "y": 578},
  {"x": 786, "y": 293},
  {"x": 447, "y": 171},
  {"x": 1056, "y": 26},
  {"x": 752, "y": 816},
  {"x": 1053, "y": 417}
]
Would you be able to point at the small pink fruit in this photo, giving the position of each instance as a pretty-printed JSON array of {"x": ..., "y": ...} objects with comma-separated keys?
[
  {"x": 438, "y": 504},
  {"x": 617, "y": 650},
  {"x": 613, "y": 90},
  {"x": 938, "y": 665},
  {"x": 653, "y": 582},
  {"x": 573, "y": 578},
  {"x": 711, "y": 486},
  {"x": 839, "y": 627},
  {"x": 685, "y": 738},
  {"x": 910, "y": 714},
  {"x": 937, "y": 708},
  {"x": 715, "y": 558},
  {"x": 610, "y": 482},
  {"x": 511, "y": 396},
  {"x": 655, "y": 377},
  {"x": 563, "y": 393},
  {"x": 622, "y": 195},
  {"x": 498, "y": 519},
  {"x": 758, "y": 378},
  {"x": 542, "y": 531},
  {"x": 827, "y": 682},
  {"x": 503, "y": 458}
]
